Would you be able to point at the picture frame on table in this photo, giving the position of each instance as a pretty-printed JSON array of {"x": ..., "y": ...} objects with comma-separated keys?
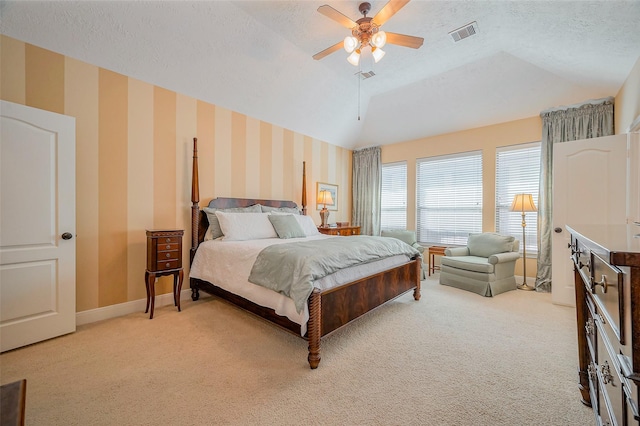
[{"x": 333, "y": 189}]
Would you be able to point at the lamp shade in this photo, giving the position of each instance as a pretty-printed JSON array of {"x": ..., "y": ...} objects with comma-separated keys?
[
  {"x": 350, "y": 43},
  {"x": 523, "y": 203},
  {"x": 379, "y": 39},
  {"x": 354, "y": 58},
  {"x": 377, "y": 54},
  {"x": 324, "y": 197}
]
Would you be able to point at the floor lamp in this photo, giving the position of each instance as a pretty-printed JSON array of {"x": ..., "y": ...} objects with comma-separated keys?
[{"x": 523, "y": 203}]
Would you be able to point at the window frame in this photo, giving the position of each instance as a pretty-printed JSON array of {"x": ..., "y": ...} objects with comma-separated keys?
[
  {"x": 504, "y": 197},
  {"x": 399, "y": 207},
  {"x": 464, "y": 203}
]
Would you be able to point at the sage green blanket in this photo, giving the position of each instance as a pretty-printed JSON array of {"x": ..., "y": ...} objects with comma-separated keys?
[{"x": 292, "y": 268}]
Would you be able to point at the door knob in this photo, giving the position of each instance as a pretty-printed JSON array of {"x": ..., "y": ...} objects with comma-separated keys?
[
  {"x": 67, "y": 236},
  {"x": 557, "y": 230}
]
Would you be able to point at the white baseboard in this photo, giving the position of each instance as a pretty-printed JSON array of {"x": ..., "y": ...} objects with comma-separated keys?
[{"x": 113, "y": 311}]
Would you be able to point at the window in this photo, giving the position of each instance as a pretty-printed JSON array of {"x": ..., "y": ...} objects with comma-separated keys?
[
  {"x": 449, "y": 198},
  {"x": 394, "y": 196},
  {"x": 517, "y": 172}
]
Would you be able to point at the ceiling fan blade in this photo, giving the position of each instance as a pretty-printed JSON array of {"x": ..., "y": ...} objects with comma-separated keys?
[
  {"x": 389, "y": 10},
  {"x": 404, "y": 40},
  {"x": 341, "y": 19},
  {"x": 328, "y": 50}
]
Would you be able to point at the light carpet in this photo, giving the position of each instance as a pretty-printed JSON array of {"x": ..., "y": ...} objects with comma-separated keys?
[{"x": 452, "y": 358}]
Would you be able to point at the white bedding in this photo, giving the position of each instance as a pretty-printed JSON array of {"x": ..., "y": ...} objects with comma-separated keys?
[{"x": 227, "y": 264}]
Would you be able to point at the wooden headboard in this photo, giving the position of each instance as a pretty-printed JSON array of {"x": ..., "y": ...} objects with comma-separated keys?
[{"x": 199, "y": 221}]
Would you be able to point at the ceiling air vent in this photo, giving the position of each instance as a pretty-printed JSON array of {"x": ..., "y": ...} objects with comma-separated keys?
[
  {"x": 464, "y": 31},
  {"x": 365, "y": 75}
]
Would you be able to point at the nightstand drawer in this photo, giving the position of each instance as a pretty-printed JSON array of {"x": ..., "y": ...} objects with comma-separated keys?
[
  {"x": 162, "y": 246},
  {"x": 164, "y": 265},
  {"x": 169, "y": 240},
  {"x": 168, "y": 255}
]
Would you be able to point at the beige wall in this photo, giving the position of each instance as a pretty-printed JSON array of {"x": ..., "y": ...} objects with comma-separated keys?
[
  {"x": 627, "y": 104},
  {"x": 133, "y": 162}
]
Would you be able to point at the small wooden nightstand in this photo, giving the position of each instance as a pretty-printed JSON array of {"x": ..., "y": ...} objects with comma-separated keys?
[
  {"x": 164, "y": 257},
  {"x": 340, "y": 230},
  {"x": 433, "y": 251}
]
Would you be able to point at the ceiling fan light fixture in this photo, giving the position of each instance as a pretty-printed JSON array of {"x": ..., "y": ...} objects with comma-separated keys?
[
  {"x": 377, "y": 53},
  {"x": 354, "y": 58},
  {"x": 350, "y": 43},
  {"x": 379, "y": 39}
]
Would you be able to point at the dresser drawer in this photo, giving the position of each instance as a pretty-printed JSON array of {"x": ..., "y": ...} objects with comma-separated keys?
[
  {"x": 606, "y": 287},
  {"x": 612, "y": 393}
]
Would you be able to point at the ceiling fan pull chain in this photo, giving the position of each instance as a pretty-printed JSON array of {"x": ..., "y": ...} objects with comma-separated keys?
[{"x": 359, "y": 82}]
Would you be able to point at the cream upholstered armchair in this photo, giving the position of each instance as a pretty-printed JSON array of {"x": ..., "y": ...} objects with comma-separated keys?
[
  {"x": 408, "y": 237},
  {"x": 485, "y": 266}
]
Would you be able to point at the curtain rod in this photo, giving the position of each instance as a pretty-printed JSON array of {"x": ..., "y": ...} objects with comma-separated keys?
[{"x": 578, "y": 105}]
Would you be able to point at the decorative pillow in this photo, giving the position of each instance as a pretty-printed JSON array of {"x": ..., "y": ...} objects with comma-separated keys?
[
  {"x": 308, "y": 226},
  {"x": 286, "y": 226},
  {"x": 488, "y": 243},
  {"x": 245, "y": 226},
  {"x": 214, "y": 230},
  {"x": 288, "y": 210}
]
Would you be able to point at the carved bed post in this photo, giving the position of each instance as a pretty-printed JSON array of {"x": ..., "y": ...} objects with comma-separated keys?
[
  {"x": 304, "y": 188},
  {"x": 195, "y": 211},
  {"x": 314, "y": 328},
  {"x": 416, "y": 291}
]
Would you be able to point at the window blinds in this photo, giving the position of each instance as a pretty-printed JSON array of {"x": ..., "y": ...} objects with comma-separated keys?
[
  {"x": 394, "y": 196},
  {"x": 517, "y": 172},
  {"x": 449, "y": 199}
]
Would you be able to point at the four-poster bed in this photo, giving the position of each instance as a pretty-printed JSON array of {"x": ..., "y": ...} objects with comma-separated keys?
[{"x": 328, "y": 308}]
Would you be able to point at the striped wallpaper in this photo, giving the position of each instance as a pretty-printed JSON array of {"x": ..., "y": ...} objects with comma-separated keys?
[{"x": 133, "y": 162}]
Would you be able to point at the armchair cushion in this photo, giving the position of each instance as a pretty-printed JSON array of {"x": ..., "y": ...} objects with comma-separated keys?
[
  {"x": 468, "y": 263},
  {"x": 488, "y": 243}
]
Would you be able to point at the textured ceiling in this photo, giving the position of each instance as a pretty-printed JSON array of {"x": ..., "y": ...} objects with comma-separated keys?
[{"x": 254, "y": 57}]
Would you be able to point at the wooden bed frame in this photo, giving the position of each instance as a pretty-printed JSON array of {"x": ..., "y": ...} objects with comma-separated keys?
[{"x": 329, "y": 309}]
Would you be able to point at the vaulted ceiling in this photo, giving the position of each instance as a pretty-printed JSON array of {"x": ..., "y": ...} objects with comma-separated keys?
[{"x": 255, "y": 57}]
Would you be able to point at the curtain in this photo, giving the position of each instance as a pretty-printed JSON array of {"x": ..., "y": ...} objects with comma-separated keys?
[
  {"x": 591, "y": 119},
  {"x": 367, "y": 185}
]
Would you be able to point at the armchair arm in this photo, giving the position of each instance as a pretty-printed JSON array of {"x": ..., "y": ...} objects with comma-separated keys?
[
  {"x": 418, "y": 247},
  {"x": 504, "y": 257},
  {"x": 457, "y": 251}
]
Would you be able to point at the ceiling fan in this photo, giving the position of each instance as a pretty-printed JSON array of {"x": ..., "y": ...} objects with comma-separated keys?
[{"x": 366, "y": 32}]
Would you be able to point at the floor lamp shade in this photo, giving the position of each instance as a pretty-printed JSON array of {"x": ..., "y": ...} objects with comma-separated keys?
[
  {"x": 523, "y": 203},
  {"x": 324, "y": 198}
]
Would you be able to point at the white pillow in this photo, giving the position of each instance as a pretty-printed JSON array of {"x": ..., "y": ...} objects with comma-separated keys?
[
  {"x": 245, "y": 226},
  {"x": 308, "y": 226}
]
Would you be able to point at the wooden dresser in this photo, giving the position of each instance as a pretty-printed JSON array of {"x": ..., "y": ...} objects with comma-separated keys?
[
  {"x": 607, "y": 283},
  {"x": 340, "y": 230}
]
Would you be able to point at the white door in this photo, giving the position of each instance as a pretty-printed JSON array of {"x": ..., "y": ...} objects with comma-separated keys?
[
  {"x": 37, "y": 225},
  {"x": 589, "y": 187}
]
